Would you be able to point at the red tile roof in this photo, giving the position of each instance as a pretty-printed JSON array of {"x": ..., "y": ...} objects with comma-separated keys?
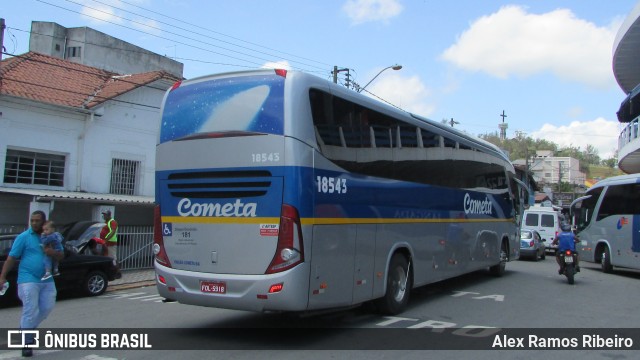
[{"x": 55, "y": 81}]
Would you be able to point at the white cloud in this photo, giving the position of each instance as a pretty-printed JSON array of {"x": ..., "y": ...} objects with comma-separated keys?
[
  {"x": 283, "y": 64},
  {"x": 599, "y": 133},
  {"x": 408, "y": 93},
  {"x": 512, "y": 41},
  {"x": 361, "y": 11},
  {"x": 100, "y": 13}
]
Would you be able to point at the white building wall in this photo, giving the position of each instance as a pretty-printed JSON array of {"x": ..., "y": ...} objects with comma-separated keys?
[
  {"x": 125, "y": 131},
  {"x": 40, "y": 128},
  {"x": 549, "y": 170}
]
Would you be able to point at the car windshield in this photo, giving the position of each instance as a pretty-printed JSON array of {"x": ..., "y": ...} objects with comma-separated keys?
[{"x": 526, "y": 235}]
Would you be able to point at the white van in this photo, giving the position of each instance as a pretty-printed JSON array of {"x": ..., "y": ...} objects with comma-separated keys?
[{"x": 546, "y": 221}]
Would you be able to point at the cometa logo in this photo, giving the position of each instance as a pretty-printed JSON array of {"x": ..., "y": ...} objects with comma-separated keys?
[
  {"x": 238, "y": 209},
  {"x": 474, "y": 206}
]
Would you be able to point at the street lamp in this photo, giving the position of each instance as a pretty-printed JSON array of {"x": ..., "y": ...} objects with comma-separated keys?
[{"x": 394, "y": 67}]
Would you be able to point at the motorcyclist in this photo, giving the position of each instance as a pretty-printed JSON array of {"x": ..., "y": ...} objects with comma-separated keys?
[{"x": 566, "y": 240}]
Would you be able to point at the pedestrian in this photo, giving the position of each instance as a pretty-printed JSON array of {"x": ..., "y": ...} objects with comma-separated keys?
[
  {"x": 109, "y": 234},
  {"x": 38, "y": 296},
  {"x": 51, "y": 238}
]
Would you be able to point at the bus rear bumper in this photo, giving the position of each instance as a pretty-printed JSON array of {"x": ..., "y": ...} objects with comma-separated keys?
[{"x": 241, "y": 292}]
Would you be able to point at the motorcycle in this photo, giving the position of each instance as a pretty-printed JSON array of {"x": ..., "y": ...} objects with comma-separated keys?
[{"x": 568, "y": 265}]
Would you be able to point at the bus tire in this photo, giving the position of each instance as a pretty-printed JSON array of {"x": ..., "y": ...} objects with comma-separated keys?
[
  {"x": 399, "y": 283},
  {"x": 500, "y": 268},
  {"x": 605, "y": 262}
]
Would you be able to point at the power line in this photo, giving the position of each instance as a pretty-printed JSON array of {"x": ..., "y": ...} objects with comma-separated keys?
[
  {"x": 258, "y": 65},
  {"x": 106, "y": 76},
  {"x": 78, "y": 93},
  {"x": 209, "y": 30}
]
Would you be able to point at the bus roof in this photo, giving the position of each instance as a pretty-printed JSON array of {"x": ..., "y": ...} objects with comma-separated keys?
[
  {"x": 617, "y": 180},
  {"x": 420, "y": 121},
  {"x": 390, "y": 109}
]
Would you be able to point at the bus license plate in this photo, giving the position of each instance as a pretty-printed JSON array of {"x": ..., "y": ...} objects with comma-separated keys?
[
  {"x": 213, "y": 287},
  {"x": 568, "y": 259}
]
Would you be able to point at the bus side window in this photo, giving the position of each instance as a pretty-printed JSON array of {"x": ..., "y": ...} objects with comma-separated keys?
[{"x": 619, "y": 200}]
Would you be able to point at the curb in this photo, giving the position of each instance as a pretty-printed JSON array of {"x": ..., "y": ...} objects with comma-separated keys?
[{"x": 131, "y": 285}]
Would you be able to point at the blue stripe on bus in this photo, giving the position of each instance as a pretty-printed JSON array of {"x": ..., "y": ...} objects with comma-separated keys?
[{"x": 336, "y": 195}]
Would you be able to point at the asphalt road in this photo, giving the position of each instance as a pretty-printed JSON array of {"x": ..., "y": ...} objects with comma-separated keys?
[{"x": 530, "y": 299}]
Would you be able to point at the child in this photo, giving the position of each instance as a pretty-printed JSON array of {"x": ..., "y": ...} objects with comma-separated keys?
[{"x": 53, "y": 239}]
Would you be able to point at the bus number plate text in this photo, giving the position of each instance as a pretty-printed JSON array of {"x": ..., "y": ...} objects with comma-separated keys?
[
  {"x": 330, "y": 185},
  {"x": 214, "y": 287}
]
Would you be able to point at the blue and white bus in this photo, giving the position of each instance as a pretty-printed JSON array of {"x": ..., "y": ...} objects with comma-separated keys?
[
  {"x": 607, "y": 219},
  {"x": 280, "y": 191}
]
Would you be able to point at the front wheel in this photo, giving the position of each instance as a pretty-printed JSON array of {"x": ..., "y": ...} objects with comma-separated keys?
[
  {"x": 606, "y": 261},
  {"x": 95, "y": 283},
  {"x": 396, "y": 297}
]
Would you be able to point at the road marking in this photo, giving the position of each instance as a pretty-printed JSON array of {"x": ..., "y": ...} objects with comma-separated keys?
[
  {"x": 142, "y": 297},
  {"x": 97, "y": 357},
  {"x": 125, "y": 295},
  {"x": 18, "y": 354}
]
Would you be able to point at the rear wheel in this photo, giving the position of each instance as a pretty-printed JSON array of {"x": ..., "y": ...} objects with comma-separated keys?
[
  {"x": 500, "y": 268},
  {"x": 606, "y": 261},
  {"x": 396, "y": 297},
  {"x": 569, "y": 271}
]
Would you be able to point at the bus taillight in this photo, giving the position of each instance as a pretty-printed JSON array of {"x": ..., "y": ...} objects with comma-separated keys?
[
  {"x": 289, "y": 251},
  {"x": 176, "y": 85},
  {"x": 281, "y": 72},
  {"x": 158, "y": 241}
]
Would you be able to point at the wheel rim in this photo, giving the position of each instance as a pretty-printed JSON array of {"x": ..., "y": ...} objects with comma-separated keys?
[
  {"x": 399, "y": 284},
  {"x": 503, "y": 258},
  {"x": 96, "y": 284}
]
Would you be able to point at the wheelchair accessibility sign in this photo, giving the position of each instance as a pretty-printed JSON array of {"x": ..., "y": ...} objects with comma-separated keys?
[{"x": 167, "y": 229}]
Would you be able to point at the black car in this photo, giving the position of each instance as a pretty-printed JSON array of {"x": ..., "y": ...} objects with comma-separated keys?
[{"x": 79, "y": 270}]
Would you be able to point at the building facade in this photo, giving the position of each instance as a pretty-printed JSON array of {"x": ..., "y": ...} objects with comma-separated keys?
[
  {"x": 78, "y": 139},
  {"x": 548, "y": 169},
  {"x": 626, "y": 69},
  {"x": 89, "y": 47}
]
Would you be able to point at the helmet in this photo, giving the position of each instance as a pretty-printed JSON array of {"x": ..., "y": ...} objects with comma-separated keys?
[{"x": 565, "y": 227}]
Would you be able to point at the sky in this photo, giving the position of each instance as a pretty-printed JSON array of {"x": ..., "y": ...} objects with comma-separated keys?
[{"x": 546, "y": 65}]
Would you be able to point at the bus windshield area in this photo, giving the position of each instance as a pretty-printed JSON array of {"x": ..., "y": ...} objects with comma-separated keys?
[{"x": 245, "y": 103}]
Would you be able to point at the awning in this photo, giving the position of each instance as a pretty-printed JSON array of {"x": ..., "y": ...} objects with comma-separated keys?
[{"x": 47, "y": 195}]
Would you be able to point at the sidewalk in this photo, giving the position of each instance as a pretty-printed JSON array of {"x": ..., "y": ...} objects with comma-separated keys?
[{"x": 132, "y": 279}]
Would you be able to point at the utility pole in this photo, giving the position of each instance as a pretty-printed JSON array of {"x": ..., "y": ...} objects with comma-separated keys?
[
  {"x": 2, "y": 27},
  {"x": 335, "y": 75}
]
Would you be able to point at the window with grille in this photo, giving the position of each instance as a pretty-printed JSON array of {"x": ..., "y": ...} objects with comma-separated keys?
[
  {"x": 29, "y": 167},
  {"x": 124, "y": 175}
]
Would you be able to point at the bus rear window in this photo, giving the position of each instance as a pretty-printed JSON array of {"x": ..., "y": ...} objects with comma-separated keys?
[{"x": 243, "y": 103}]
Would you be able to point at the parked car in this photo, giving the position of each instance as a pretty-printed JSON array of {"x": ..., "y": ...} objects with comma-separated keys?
[
  {"x": 531, "y": 245},
  {"x": 82, "y": 233},
  {"x": 79, "y": 270}
]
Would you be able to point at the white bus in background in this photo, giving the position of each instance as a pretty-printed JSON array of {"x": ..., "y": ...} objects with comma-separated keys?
[
  {"x": 281, "y": 191},
  {"x": 608, "y": 222}
]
